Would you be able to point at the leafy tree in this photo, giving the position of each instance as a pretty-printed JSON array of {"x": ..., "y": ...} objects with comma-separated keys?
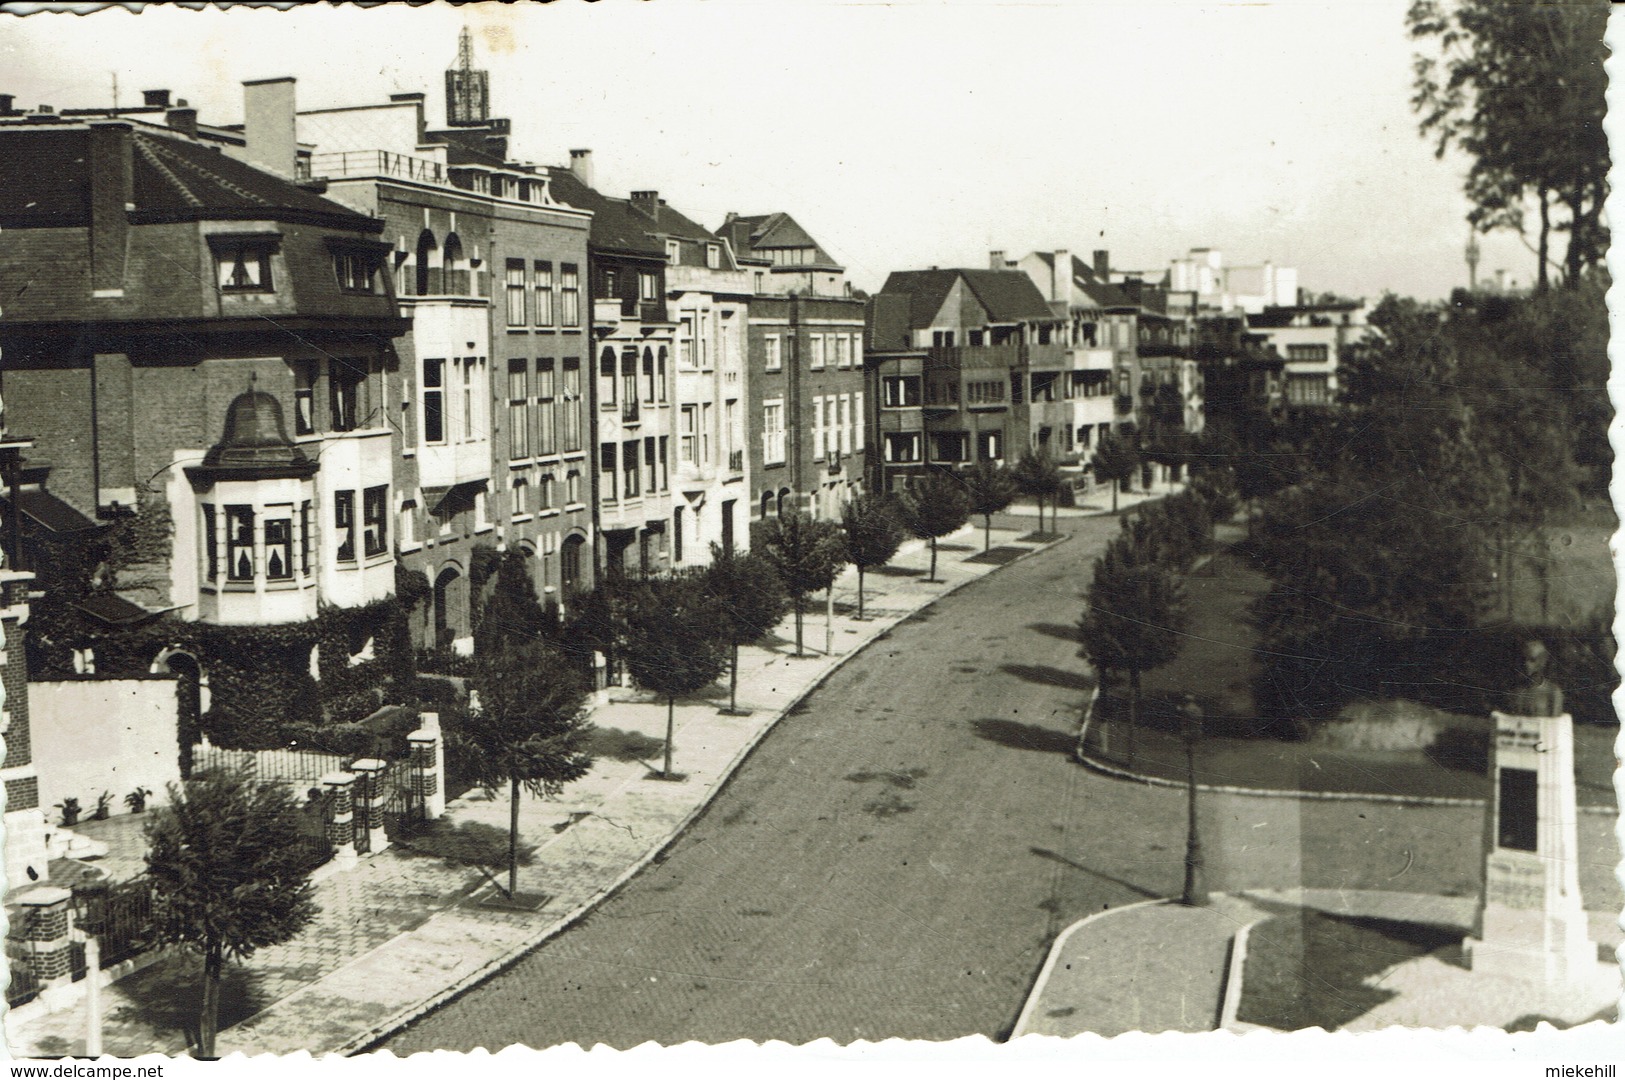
[
  {"x": 1114, "y": 461},
  {"x": 873, "y": 535},
  {"x": 990, "y": 490},
  {"x": 594, "y": 624},
  {"x": 1036, "y": 474},
  {"x": 932, "y": 507},
  {"x": 513, "y": 615},
  {"x": 528, "y": 731},
  {"x": 1134, "y": 619},
  {"x": 675, "y": 637},
  {"x": 1519, "y": 87},
  {"x": 750, "y": 601},
  {"x": 228, "y": 876},
  {"x": 807, "y": 554}
]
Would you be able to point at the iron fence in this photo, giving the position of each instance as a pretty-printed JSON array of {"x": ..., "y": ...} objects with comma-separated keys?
[{"x": 119, "y": 916}]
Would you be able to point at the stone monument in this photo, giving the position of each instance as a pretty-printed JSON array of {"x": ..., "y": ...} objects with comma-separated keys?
[{"x": 1531, "y": 924}]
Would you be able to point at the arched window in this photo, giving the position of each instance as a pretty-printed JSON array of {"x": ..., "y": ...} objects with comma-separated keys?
[
  {"x": 455, "y": 271},
  {"x": 428, "y": 265}
]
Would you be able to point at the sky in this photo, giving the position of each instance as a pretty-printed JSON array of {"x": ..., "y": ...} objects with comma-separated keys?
[{"x": 902, "y": 135}]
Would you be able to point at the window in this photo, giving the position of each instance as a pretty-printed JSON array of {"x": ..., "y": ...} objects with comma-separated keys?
[
  {"x": 648, "y": 287},
  {"x": 1308, "y": 353},
  {"x": 544, "y": 491},
  {"x": 519, "y": 494},
  {"x": 570, "y": 294},
  {"x": 900, "y": 391},
  {"x": 818, "y": 428},
  {"x": 546, "y": 428},
  {"x": 629, "y": 384},
  {"x": 243, "y": 265},
  {"x": 990, "y": 445},
  {"x": 518, "y": 395},
  {"x": 976, "y": 337},
  {"x": 516, "y": 292},
  {"x": 572, "y": 404},
  {"x": 406, "y": 532},
  {"x": 606, "y": 471},
  {"x": 279, "y": 548},
  {"x": 685, "y": 342},
  {"x": 773, "y": 432},
  {"x": 239, "y": 543},
  {"x": 648, "y": 376},
  {"x": 984, "y": 393},
  {"x": 543, "y": 284},
  {"x": 434, "y": 401},
  {"x": 304, "y": 397},
  {"x": 773, "y": 360},
  {"x": 468, "y": 426},
  {"x": 346, "y": 384},
  {"x": 357, "y": 273},
  {"x": 572, "y": 487},
  {"x": 838, "y": 343},
  {"x": 677, "y": 534},
  {"x": 902, "y": 447},
  {"x": 673, "y": 251},
  {"x": 660, "y": 372},
  {"x": 344, "y": 524},
  {"x": 687, "y": 434},
  {"x": 606, "y": 379},
  {"x": 949, "y": 447},
  {"x": 629, "y": 462},
  {"x": 649, "y": 464},
  {"x": 942, "y": 339},
  {"x": 211, "y": 544},
  {"x": 761, "y": 279},
  {"x": 847, "y": 421},
  {"x": 705, "y": 432},
  {"x": 713, "y": 256},
  {"x": 1016, "y": 394},
  {"x": 305, "y": 526},
  {"x": 817, "y": 362},
  {"x": 665, "y": 458}
]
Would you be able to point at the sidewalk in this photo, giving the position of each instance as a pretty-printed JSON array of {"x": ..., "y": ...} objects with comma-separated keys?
[{"x": 406, "y": 931}]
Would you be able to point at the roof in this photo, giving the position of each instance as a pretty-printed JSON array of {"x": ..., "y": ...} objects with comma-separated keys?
[
  {"x": 51, "y": 513},
  {"x": 45, "y": 181},
  {"x": 614, "y": 223},
  {"x": 113, "y": 609},
  {"x": 776, "y": 230},
  {"x": 1006, "y": 295}
]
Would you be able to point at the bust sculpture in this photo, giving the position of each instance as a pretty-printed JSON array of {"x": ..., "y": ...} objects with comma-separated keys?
[{"x": 1535, "y": 695}]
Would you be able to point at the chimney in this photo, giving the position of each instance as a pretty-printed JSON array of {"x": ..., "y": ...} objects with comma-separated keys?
[
  {"x": 581, "y": 165},
  {"x": 415, "y": 95},
  {"x": 497, "y": 146},
  {"x": 1103, "y": 264},
  {"x": 183, "y": 120},
  {"x": 111, "y": 191},
  {"x": 1062, "y": 290},
  {"x": 268, "y": 125},
  {"x": 6, "y": 107},
  {"x": 155, "y": 99},
  {"x": 995, "y": 260},
  {"x": 648, "y": 203}
]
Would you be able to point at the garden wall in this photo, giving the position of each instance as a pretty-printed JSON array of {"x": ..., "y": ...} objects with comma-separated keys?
[{"x": 93, "y": 735}]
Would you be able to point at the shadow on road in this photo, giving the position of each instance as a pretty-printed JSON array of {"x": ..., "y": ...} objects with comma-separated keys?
[
  {"x": 1049, "y": 676},
  {"x": 1063, "y": 632},
  {"x": 1019, "y": 736},
  {"x": 1055, "y": 856}
]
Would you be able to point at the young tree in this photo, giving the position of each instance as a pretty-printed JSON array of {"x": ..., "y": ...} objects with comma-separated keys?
[
  {"x": 1114, "y": 461},
  {"x": 750, "y": 601},
  {"x": 873, "y": 535},
  {"x": 675, "y": 638},
  {"x": 528, "y": 732},
  {"x": 513, "y": 615},
  {"x": 228, "y": 876},
  {"x": 1135, "y": 618},
  {"x": 990, "y": 490},
  {"x": 807, "y": 554},
  {"x": 933, "y": 507},
  {"x": 1037, "y": 475}
]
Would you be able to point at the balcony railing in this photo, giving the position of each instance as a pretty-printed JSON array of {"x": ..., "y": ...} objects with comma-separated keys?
[
  {"x": 736, "y": 461},
  {"x": 629, "y": 411},
  {"x": 348, "y": 163}
]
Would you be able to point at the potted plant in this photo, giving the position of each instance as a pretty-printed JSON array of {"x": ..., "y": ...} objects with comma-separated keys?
[
  {"x": 103, "y": 803},
  {"x": 137, "y": 799},
  {"x": 70, "y": 812}
]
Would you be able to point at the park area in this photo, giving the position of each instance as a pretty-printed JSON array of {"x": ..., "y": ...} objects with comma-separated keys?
[{"x": 1394, "y": 747}]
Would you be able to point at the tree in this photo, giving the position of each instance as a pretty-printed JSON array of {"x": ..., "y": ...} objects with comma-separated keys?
[
  {"x": 1135, "y": 618},
  {"x": 1036, "y": 474},
  {"x": 512, "y": 615},
  {"x": 807, "y": 555},
  {"x": 675, "y": 639},
  {"x": 873, "y": 535},
  {"x": 228, "y": 876},
  {"x": 1114, "y": 461},
  {"x": 1519, "y": 87},
  {"x": 990, "y": 490},
  {"x": 933, "y": 507},
  {"x": 528, "y": 731},
  {"x": 750, "y": 601}
]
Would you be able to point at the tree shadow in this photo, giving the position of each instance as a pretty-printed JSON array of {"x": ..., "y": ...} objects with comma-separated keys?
[
  {"x": 472, "y": 843},
  {"x": 1059, "y": 631},
  {"x": 167, "y": 996},
  {"x": 618, "y": 745},
  {"x": 895, "y": 571},
  {"x": 1056, "y": 856},
  {"x": 1019, "y": 736},
  {"x": 1049, "y": 676}
]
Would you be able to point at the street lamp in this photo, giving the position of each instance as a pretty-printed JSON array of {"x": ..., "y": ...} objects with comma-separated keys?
[{"x": 1191, "y": 728}]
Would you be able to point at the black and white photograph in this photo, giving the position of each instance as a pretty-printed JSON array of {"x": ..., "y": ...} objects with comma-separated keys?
[{"x": 1079, "y": 532}]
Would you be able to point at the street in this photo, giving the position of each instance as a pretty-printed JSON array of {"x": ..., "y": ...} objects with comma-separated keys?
[{"x": 898, "y": 853}]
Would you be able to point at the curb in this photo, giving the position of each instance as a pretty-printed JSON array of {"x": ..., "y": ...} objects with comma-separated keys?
[
  {"x": 1235, "y": 965},
  {"x": 1291, "y": 793},
  {"x": 1054, "y": 957},
  {"x": 359, "y": 1043}
]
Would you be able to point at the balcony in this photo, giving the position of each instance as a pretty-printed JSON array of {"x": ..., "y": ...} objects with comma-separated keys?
[
  {"x": 705, "y": 279},
  {"x": 1086, "y": 359},
  {"x": 629, "y": 410},
  {"x": 349, "y": 164}
]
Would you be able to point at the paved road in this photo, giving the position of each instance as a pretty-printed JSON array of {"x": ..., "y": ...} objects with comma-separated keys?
[{"x": 895, "y": 858}]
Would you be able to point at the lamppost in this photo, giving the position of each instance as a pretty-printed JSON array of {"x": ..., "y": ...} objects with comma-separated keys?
[{"x": 1191, "y": 728}]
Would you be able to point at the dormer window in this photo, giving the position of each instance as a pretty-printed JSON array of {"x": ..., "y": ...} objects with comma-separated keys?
[
  {"x": 356, "y": 263},
  {"x": 673, "y": 252},
  {"x": 713, "y": 256},
  {"x": 243, "y": 261}
]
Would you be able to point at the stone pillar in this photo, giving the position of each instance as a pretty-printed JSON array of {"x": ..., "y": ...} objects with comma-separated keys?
[
  {"x": 341, "y": 822},
  {"x": 428, "y": 767},
  {"x": 1532, "y": 924},
  {"x": 369, "y": 805},
  {"x": 47, "y": 934}
]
